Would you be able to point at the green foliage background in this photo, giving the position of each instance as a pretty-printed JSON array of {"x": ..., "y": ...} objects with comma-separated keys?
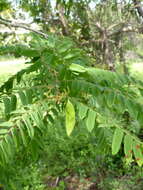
[
  {"x": 60, "y": 85},
  {"x": 64, "y": 115}
]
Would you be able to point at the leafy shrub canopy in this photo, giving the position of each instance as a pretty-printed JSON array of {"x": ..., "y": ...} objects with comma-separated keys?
[{"x": 59, "y": 85}]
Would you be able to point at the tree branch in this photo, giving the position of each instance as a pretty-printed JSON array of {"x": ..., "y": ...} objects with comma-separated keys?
[
  {"x": 21, "y": 25},
  {"x": 126, "y": 30}
]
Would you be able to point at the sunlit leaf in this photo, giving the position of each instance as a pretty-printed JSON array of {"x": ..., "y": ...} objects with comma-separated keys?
[{"x": 70, "y": 117}]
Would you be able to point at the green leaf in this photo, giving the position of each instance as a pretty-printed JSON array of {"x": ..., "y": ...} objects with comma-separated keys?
[
  {"x": 28, "y": 94},
  {"x": 3, "y": 152},
  {"x": 138, "y": 153},
  {"x": 9, "y": 84},
  {"x": 82, "y": 111},
  {"x": 90, "y": 121},
  {"x": 7, "y": 105},
  {"x": 70, "y": 117},
  {"x": 3, "y": 131},
  {"x": 117, "y": 140},
  {"x": 130, "y": 107},
  {"x": 128, "y": 146},
  {"x": 23, "y": 98},
  {"x": 50, "y": 119},
  {"x": 120, "y": 103},
  {"x": 37, "y": 120},
  {"x": 15, "y": 137},
  {"x": 64, "y": 46},
  {"x": 73, "y": 53},
  {"x": 29, "y": 126},
  {"x": 9, "y": 145},
  {"x": 110, "y": 98},
  {"x": 13, "y": 102},
  {"x": 77, "y": 68},
  {"x": 22, "y": 133},
  {"x": 6, "y": 125},
  {"x": 29, "y": 52}
]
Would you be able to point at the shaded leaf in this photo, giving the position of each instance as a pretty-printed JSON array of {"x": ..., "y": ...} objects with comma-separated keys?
[
  {"x": 90, "y": 121},
  {"x": 117, "y": 140},
  {"x": 82, "y": 111}
]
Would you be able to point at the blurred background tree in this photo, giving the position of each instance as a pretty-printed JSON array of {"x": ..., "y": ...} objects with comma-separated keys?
[{"x": 105, "y": 29}]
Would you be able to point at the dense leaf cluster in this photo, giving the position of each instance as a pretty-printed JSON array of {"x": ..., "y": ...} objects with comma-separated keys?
[{"x": 62, "y": 86}]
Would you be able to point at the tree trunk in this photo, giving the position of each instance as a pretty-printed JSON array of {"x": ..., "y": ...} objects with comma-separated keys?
[
  {"x": 139, "y": 7},
  {"x": 108, "y": 55},
  {"x": 65, "y": 27}
]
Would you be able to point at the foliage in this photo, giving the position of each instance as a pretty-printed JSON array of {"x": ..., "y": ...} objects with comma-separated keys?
[
  {"x": 60, "y": 115},
  {"x": 64, "y": 83},
  {"x": 63, "y": 157},
  {"x": 60, "y": 156},
  {"x": 4, "y": 4}
]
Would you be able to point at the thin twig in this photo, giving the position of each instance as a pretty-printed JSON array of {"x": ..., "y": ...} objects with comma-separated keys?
[{"x": 57, "y": 181}]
